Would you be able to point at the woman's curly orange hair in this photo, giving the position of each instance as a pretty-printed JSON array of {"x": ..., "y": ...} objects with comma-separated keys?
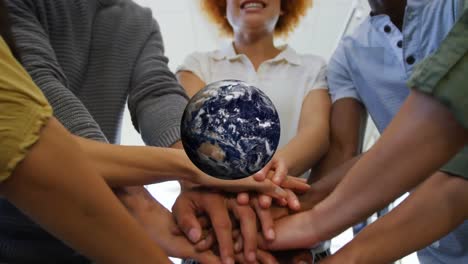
[{"x": 293, "y": 10}]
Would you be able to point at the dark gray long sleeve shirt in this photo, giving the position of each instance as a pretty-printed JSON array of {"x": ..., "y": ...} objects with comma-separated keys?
[{"x": 89, "y": 57}]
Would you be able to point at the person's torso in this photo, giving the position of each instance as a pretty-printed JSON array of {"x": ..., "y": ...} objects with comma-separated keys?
[
  {"x": 381, "y": 58},
  {"x": 286, "y": 80},
  {"x": 380, "y": 66}
]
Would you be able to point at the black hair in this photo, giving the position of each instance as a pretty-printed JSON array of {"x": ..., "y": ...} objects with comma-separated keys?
[{"x": 5, "y": 28}]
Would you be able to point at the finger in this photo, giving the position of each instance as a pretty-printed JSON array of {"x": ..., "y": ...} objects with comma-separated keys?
[
  {"x": 283, "y": 202},
  {"x": 296, "y": 184},
  {"x": 205, "y": 243},
  {"x": 264, "y": 201},
  {"x": 248, "y": 225},
  {"x": 222, "y": 226},
  {"x": 293, "y": 201},
  {"x": 281, "y": 171},
  {"x": 250, "y": 184},
  {"x": 267, "y": 187},
  {"x": 243, "y": 198},
  {"x": 266, "y": 220},
  {"x": 266, "y": 258},
  {"x": 185, "y": 216},
  {"x": 262, "y": 174}
]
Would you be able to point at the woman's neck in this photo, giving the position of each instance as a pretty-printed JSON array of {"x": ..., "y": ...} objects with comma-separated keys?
[{"x": 257, "y": 47}]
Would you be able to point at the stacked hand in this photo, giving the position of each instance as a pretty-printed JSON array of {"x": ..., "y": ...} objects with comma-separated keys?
[{"x": 210, "y": 217}]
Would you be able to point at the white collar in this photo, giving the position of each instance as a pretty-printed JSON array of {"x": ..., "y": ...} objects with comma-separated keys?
[{"x": 287, "y": 54}]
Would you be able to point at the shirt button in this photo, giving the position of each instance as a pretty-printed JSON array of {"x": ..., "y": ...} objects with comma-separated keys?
[
  {"x": 387, "y": 29},
  {"x": 410, "y": 60},
  {"x": 400, "y": 44}
]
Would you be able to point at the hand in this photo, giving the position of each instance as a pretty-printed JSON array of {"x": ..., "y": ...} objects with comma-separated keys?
[
  {"x": 191, "y": 204},
  {"x": 161, "y": 227},
  {"x": 267, "y": 186},
  {"x": 276, "y": 171},
  {"x": 293, "y": 232},
  {"x": 284, "y": 257}
]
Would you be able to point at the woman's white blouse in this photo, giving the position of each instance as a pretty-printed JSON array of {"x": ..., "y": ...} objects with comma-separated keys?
[{"x": 286, "y": 79}]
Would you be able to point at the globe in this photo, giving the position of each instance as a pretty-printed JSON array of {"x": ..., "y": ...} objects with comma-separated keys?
[{"x": 230, "y": 129}]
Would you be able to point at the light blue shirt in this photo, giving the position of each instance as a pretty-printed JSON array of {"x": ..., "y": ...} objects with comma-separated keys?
[
  {"x": 370, "y": 66},
  {"x": 373, "y": 64}
]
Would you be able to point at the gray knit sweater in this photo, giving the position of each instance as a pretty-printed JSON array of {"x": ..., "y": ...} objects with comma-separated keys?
[{"x": 89, "y": 57}]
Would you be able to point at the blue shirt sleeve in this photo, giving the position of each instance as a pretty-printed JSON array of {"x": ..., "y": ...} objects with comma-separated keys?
[{"x": 340, "y": 82}]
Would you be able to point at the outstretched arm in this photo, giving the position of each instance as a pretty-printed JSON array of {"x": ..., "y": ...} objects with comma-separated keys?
[
  {"x": 436, "y": 207},
  {"x": 60, "y": 189},
  {"x": 422, "y": 137},
  {"x": 312, "y": 139}
]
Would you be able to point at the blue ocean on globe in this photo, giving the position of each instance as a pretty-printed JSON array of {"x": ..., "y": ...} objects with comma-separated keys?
[{"x": 230, "y": 129}]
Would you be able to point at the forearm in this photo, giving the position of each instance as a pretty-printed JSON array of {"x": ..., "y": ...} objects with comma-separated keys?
[
  {"x": 321, "y": 189},
  {"x": 80, "y": 208},
  {"x": 422, "y": 137},
  {"x": 348, "y": 122},
  {"x": 305, "y": 149},
  {"x": 433, "y": 210},
  {"x": 156, "y": 100},
  {"x": 138, "y": 165}
]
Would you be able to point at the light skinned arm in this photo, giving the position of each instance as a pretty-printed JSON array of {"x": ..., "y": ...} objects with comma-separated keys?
[
  {"x": 420, "y": 139},
  {"x": 139, "y": 165},
  {"x": 434, "y": 209},
  {"x": 60, "y": 189},
  {"x": 312, "y": 139}
]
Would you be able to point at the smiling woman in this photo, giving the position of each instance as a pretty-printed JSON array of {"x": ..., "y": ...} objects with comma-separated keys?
[
  {"x": 292, "y": 12},
  {"x": 294, "y": 82}
]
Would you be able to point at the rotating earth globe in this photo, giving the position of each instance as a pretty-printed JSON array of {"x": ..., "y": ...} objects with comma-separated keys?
[{"x": 230, "y": 129}]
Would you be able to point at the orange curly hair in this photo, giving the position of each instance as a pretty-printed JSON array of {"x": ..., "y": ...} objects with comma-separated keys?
[{"x": 293, "y": 10}]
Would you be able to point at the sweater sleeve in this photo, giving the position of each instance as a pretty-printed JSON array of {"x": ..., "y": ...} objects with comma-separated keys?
[
  {"x": 39, "y": 59},
  {"x": 156, "y": 100}
]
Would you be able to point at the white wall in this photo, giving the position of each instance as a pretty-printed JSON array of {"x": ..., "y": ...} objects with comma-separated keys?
[{"x": 185, "y": 30}]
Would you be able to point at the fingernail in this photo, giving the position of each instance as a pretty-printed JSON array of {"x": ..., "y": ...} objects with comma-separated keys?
[
  {"x": 194, "y": 235},
  {"x": 237, "y": 246},
  {"x": 296, "y": 204},
  {"x": 271, "y": 234},
  {"x": 252, "y": 256},
  {"x": 228, "y": 260},
  {"x": 277, "y": 180}
]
